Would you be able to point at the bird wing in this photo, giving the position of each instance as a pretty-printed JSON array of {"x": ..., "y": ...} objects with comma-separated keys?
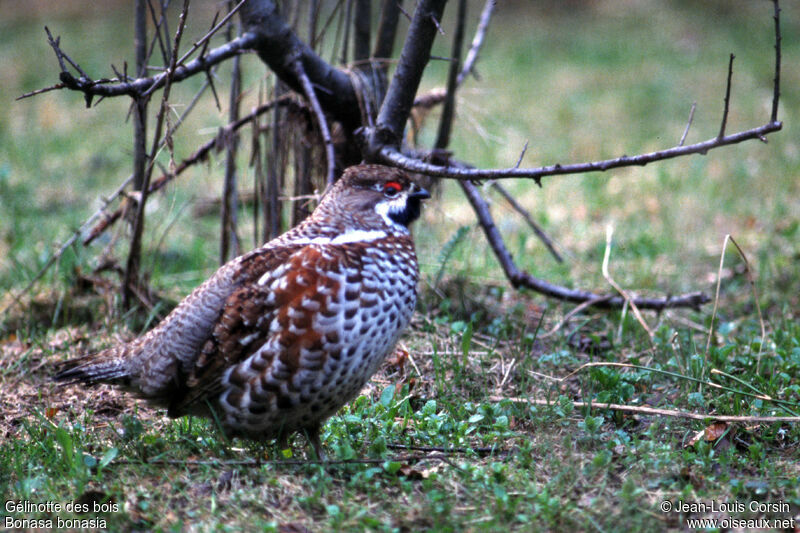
[{"x": 267, "y": 321}]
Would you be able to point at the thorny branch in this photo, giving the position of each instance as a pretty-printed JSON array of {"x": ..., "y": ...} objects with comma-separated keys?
[{"x": 147, "y": 84}]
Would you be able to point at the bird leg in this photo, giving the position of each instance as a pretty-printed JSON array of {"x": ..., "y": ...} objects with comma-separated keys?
[{"x": 312, "y": 435}]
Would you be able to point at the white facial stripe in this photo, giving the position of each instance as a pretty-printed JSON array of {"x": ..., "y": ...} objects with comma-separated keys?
[{"x": 396, "y": 205}]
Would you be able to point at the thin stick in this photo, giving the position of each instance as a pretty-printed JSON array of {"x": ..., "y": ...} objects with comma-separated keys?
[
  {"x": 546, "y": 240},
  {"x": 291, "y": 462},
  {"x": 141, "y": 175},
  {"x": 688, "y": 124},
  {"x": 727, "y": 99},
  {"x": 640, "y": 409},
  {"x": 322, "y": 122},
  {"x": 777, "y": 85},
  {"x": 477, "y": 41},
  {"x": 449, "y": 109},
  {"x": 230, "y": 200}
]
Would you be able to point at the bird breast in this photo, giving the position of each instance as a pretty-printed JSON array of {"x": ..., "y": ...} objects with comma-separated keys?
[{"x": 329, "y": 316}]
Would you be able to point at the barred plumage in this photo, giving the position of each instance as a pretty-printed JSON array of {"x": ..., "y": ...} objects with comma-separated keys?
[{"x": 277, "y": 340}]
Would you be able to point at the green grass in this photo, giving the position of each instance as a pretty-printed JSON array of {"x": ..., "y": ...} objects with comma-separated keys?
[{"x": 441, "y": 441}]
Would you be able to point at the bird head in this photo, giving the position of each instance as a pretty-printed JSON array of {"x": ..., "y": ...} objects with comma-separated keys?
[{"x": 376, "y": 195}]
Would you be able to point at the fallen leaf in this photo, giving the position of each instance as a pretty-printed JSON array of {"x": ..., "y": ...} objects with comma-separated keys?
[{"x": 709, "y": 433}]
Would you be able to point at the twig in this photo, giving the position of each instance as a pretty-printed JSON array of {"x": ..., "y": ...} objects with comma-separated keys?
[
  {"x": 407, "y": 76},
  {"x": 40, "y": 91},
  {"x": 640, "y": 409},
  {"x": 449, "y": 109},
  {"x": 437, "y": 96},
  {"x": 390, "y": 155},
  {"x": 727, "y": 99},
  {"x": 203, "y": 40},
  {"x": 716, "y": 294},
  {"x": 777, "y": 85},
  {"x": 521, "y": 155},
  {"x": 322, "y": 123},
  {"x": 532, "y": 223},
  {"x": 145, "y": 84},
  {"x": 477, "y": 41},
  {"x": 230, "y": 198},
  {"x": 688, "y": 123},
  {"x": 387, "y": 31}
]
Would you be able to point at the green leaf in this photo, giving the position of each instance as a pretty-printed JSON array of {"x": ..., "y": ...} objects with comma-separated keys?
[
  {"x": 387, "y": 396},
  {"x": 109, "y": 456}
]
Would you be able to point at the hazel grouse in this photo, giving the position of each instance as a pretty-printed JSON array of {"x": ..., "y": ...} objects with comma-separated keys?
[{"x": 279, "y": 339}]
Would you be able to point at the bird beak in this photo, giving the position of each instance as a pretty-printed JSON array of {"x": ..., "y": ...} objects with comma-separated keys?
[{"x": 419, "y": 193}]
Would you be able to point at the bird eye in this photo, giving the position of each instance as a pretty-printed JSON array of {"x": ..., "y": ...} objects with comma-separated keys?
[{"x": 391, "y": 189}]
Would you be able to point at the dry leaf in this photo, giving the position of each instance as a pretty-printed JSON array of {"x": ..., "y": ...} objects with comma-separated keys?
[{"x": 710, "y": 433}]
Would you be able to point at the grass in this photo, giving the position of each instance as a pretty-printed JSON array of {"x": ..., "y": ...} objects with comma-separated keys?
[{"x": 437, "y": 440}]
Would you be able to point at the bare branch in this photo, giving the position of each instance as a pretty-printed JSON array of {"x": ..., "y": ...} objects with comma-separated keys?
[
  {"x": 521, "y": 279},
  {"x": 392, "y": 156},
  {"x": 777, "y": 82},
  {"x": 229, "y": 196},
  {"x": 405, "y": 82},
  {"x": 361, "y": 35},
  {"x": 688, "y": 124},
  {"x": 532, "y": 223},
  {"x": 142, "y": 85},
  {"x": 140, "y": 173},
  {"x": 477, "y": 41},
  {"x": 279, "y": 47},
  {"x": 449, "y": 109},
  {"x": 322, "y": 123},
  {"x": 387, "y": 30},
  {"x": 727, "y": 99}
]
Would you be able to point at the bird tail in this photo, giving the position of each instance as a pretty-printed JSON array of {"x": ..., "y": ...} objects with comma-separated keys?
[{"x": 108, "y": 366}]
